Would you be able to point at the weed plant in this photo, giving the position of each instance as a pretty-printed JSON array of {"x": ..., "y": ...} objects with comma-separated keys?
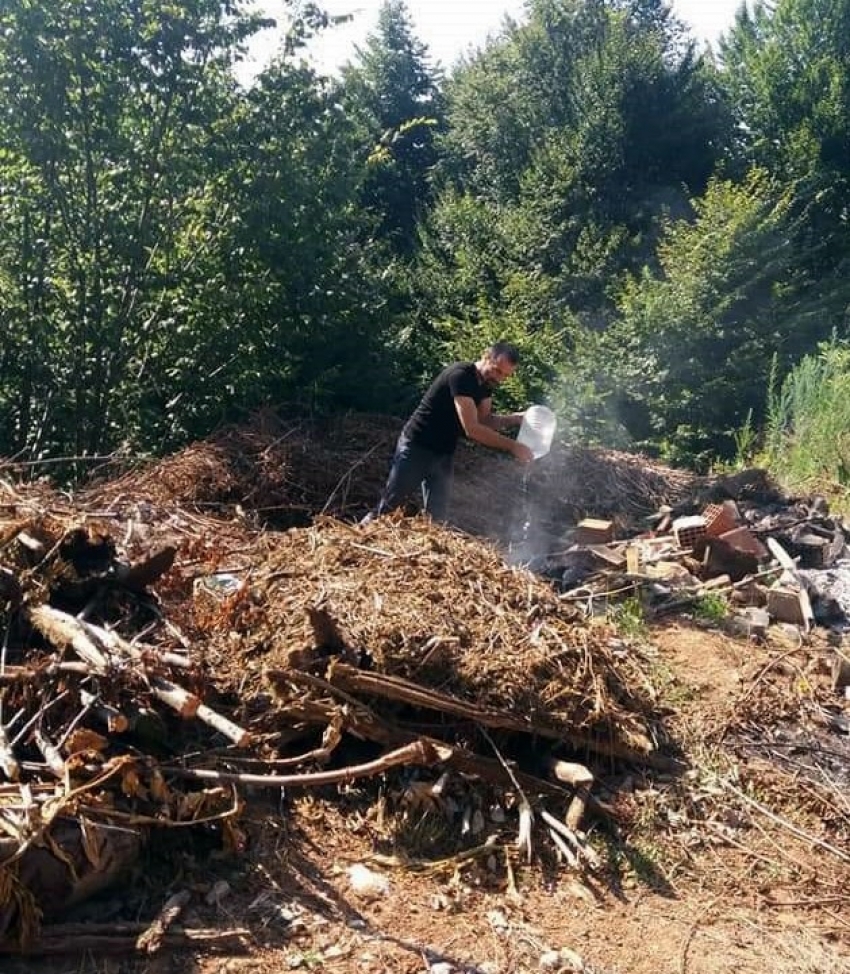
[
  {"x": 711, "y": 608},
  {"x": 807, "y": 434},
  {"x": 629, "y": 617}
]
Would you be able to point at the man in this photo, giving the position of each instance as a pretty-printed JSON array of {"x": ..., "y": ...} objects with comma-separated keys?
[{"x": 458, "y": 403}]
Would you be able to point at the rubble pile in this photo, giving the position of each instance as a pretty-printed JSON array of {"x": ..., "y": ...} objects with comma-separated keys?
[
  {"x": 556, "y": 492},
  {"x": 774, "y": 558}
]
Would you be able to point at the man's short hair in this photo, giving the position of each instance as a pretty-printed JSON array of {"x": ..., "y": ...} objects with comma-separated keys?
[{"x": 506, "y": 349}]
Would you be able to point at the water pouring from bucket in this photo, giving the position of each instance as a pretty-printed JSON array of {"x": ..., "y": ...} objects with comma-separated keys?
[{"x": 538, "y": 430}]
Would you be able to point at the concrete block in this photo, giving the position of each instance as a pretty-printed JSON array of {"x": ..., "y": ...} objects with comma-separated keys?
[
  {"x": 743, "y": 540},
  {"x": 689, "y": 530},
  {"x": 593, "y": 531},
  {"x": 751, "y": 622},
  {"x": 789, "y": 605},
  {"x": 720, "y": 518}
]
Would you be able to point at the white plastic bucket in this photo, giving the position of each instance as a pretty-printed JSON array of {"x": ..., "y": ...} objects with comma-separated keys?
[{"x": 537, "y": 430}]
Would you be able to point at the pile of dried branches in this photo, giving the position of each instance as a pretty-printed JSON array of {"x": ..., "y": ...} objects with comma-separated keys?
[
  {"x": 280, "y": 470},
  {"x": 285, "y": 471},
  {"x": 86, "y": 708},
  {"x": 406, "y": 600},
  {"x": 159, "y": 655}
]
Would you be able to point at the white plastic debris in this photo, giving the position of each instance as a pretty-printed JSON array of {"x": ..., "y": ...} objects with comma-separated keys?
[{"x": 366, "y": 883}]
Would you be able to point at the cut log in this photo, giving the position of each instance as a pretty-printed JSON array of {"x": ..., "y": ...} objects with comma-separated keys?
[
  {"x": 581, "y": 778},
  {"x": 62, "y": 630},
  {"x": 180, "y": 700},
  {"x": 233, "y": 732},
  {"x": 354, "y": 680},
  {"x": 151, "y": 940}
]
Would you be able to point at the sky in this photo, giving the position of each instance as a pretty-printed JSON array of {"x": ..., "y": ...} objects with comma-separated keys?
[{"x": 451, "y": 27}]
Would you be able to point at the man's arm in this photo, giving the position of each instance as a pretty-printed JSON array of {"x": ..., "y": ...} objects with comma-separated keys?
[
  {"x": 501, "y": 421},
  {"x": 483, "y": 432}
]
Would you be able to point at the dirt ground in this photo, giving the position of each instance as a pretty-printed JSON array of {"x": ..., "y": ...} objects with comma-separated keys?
[{"x": 717, "y": 870}]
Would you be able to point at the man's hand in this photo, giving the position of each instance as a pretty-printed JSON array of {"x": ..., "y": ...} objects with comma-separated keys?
[{"x": 522, "y": 452}]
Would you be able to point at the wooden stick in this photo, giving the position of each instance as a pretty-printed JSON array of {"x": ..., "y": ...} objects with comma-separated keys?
[
  {"x": 419, "y": 752},
  {"x": 64, "y": 630},
  {"x": 99, "y": 647},
  {"x": 14, "y": 673},
  {"x": 566, "y": 851},
  {"x": 8, "y": 762},
  {"x": 143, "y": 654},
  {"x": 151, "y": 939},
  {"x": 793, "y": 829},
  {"x": 235, "y": 733},
  {"x": 37, "y": 716},
  {"x": 116, "y": 938},
  {"x": 53, "y": 759},
  {"x": 573, "y": 838},
  {"x": 355, "y": 680},
  {"x": 184, "y": 703},
  {"x": 363, "y": 723}
]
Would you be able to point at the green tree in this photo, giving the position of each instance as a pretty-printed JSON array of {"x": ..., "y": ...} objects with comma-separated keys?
[
  {"x": 569, "y": 138},
  {"x": 786, "y": 71},
  {"x": 302, "y": 261},
  {"x": 393, "y": 94},
  {"x": 691, "y": 355},
  {"x": 109, "y": 127}
]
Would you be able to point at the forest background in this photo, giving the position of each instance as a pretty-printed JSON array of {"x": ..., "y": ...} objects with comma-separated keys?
[{"x": 663, "y": 231}]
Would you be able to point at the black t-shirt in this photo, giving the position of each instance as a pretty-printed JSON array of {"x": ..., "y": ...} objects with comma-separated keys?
[{"x": 435, "y": 423}]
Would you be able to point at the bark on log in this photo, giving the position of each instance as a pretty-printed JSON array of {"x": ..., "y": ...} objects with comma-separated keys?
[
  {"x": 180, "y": 700},
  {"x": 151, "y": 939},
  {"x": 63, "y": 630},
  {"x": 354, "y": 680},
  {"x": 235, "y": 733}
]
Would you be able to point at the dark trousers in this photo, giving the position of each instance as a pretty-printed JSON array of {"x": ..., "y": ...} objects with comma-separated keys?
[{"x": 413, "y": 467}]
